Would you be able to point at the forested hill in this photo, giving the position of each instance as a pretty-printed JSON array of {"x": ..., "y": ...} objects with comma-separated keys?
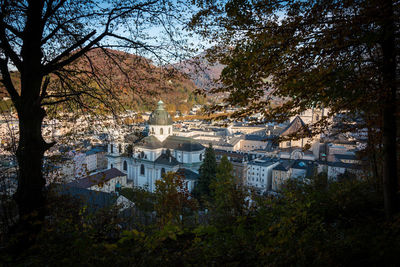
[
  {"x": 199, "y": 69},
  {"x": 136, "y": 81}
]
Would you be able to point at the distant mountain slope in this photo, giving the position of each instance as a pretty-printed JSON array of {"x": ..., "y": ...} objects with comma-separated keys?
[
  {"x": 137, "y": 82},
  {"x": 201, "y": 71}
]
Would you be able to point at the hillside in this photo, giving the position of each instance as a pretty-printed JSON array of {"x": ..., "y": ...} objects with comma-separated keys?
[
  {"x": 201, "y": 71},
  {"x": 134, "y": 80}
]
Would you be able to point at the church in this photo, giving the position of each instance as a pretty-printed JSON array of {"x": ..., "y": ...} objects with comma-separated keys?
[{"x": 158, "y": 153}]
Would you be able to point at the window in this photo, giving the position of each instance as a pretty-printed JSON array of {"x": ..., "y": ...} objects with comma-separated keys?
[
  {"x": 161, "y": 131},
  {"x": 152, "y": 129},
  {"x": 201, "y": 157},
  {"x": 111, "y": 148},
  {"x": 287, "y": 143},
  {"x": 162, "y": 172},
  {"x": 112, "y": 166},
  {"x": 142, "y": 154},
  {"x": 142, "y": 169},
  {"x": 169, "y": 130},
  {"x": 125, "y": 165},
  {"x": 119, "y": 148}
]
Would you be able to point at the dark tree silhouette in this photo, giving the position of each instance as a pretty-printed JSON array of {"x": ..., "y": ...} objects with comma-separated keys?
[
  {"x": 43, "y": 40},
  {"x": 207, "y": 174},
  {"x": 342, "y": 55}
]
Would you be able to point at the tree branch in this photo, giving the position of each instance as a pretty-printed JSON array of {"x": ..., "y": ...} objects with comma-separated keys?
[
  {"x": 55, "y": 64},
  {"x": 6, "y": 80}
]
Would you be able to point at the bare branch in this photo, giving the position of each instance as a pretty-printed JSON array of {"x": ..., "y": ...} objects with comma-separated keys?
[{"x": 6, "y": 80}]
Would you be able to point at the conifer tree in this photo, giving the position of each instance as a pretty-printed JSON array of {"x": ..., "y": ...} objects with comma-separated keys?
[
  {"x": 229, "y": 198},
  {"x": 207, "y": 173}
]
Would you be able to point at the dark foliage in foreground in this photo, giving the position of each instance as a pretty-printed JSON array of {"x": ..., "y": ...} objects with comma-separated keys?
[{"x": 309, "y": 224}]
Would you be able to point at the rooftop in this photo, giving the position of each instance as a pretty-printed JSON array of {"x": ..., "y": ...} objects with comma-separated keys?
[
  {"x": 296, "y": 126},
  {"x": 182, "y": 143},
  {"x": 165, "y": 159},
  {"x": 97, "y": 178},
  {"x": 160, "y": 116},
  {"x": 187, "y": 174}
]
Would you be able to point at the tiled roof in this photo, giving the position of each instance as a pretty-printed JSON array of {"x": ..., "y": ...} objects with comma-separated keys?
[
  {"x": 187, "y": 174},
  {"x": 165, "y": 159},
  {"x": 284, "y": 165},
  {"x": 254, "y": 137},
  {"x": 345, "y": 156},
  {"x": 296, "y": 126},
  {"x": 344, "y": 165},
  {"x": 150, "y": 142},
  {"x": 182, "y": 143},
  {"x": 97, "y": 178},
  {"x": 93, "y": 199}
]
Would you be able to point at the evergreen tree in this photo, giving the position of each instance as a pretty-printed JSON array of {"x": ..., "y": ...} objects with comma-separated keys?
[
  {"x": 229, "y": 198},
  {"x": 207, "y": 174}
]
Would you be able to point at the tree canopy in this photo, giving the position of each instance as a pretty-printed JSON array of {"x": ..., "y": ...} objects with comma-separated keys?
[{"x": 340, "y": 55}]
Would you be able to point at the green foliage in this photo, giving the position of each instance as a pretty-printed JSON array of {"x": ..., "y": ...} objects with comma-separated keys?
[
  {"x": 143, "y": 199},
  {"x": 319, "y": 223},
  {"x": 173, "y": 201},
  {"x": 298, "y": 49},
  {"x": 228, "y": 197},
  {"x": 207, "y": 174}
]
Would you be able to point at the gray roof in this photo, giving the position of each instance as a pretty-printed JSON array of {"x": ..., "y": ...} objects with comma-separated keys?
[
  {"x": 160, "y": 116},
  {"x": 283, "y": 166},
  {"x": 345, "y": 156},
  {"x": 300, "y": 164},
  {"x": 307, "y": 165},
  {"x": 150, "y": 142},
  {"x": 93, "y": 199},
  {"x": 165, "y": 159},
  {"x": 263, "y": 163},
  {"x": 187, "y": 174},
  {"x": 254, "y": 137},
  {"x": 95, "y": 150},
  {"x": 97, "y": 178},
  {"x": 344, "y": 165},
  {"x": 182, "y": 143},
  {"x": 233, "y": 141},
  {"x": 296, "y": 126}
]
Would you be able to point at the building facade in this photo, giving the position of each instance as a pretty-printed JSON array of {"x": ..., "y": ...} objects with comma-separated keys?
[{"x": 158, "y": 153}]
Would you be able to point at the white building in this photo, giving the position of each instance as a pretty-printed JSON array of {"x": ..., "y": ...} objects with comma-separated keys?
[
  {"x": 158, "y": 153},
  {"x": 259, "y": 173}
]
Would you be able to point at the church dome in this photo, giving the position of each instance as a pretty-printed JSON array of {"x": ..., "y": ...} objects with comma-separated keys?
[{"x": 160, "y": 116}]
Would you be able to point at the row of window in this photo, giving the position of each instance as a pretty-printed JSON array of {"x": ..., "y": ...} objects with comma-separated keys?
[
  {"x": 253, "y": 173},
  {"x": 252, "y": 179},
  {"x": 161, "y": 131},
  {"x": 142, "y": 171},
  {"x": 112, "y": 148}
]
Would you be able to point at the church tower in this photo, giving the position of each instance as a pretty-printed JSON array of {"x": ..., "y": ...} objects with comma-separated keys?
[{"x": 160, "y": 123}]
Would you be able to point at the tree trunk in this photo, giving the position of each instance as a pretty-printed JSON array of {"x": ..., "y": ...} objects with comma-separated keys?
[
  {"x": 390, "y": 181},
  {"x": 30, "y": 195}
]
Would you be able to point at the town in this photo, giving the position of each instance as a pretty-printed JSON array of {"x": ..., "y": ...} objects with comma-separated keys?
[
  {"x": 199, "y": 133},
  {"x": 137, "y": 155}
]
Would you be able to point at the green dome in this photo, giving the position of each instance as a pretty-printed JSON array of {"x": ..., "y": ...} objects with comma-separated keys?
[{"x": 160, "y": 116}]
